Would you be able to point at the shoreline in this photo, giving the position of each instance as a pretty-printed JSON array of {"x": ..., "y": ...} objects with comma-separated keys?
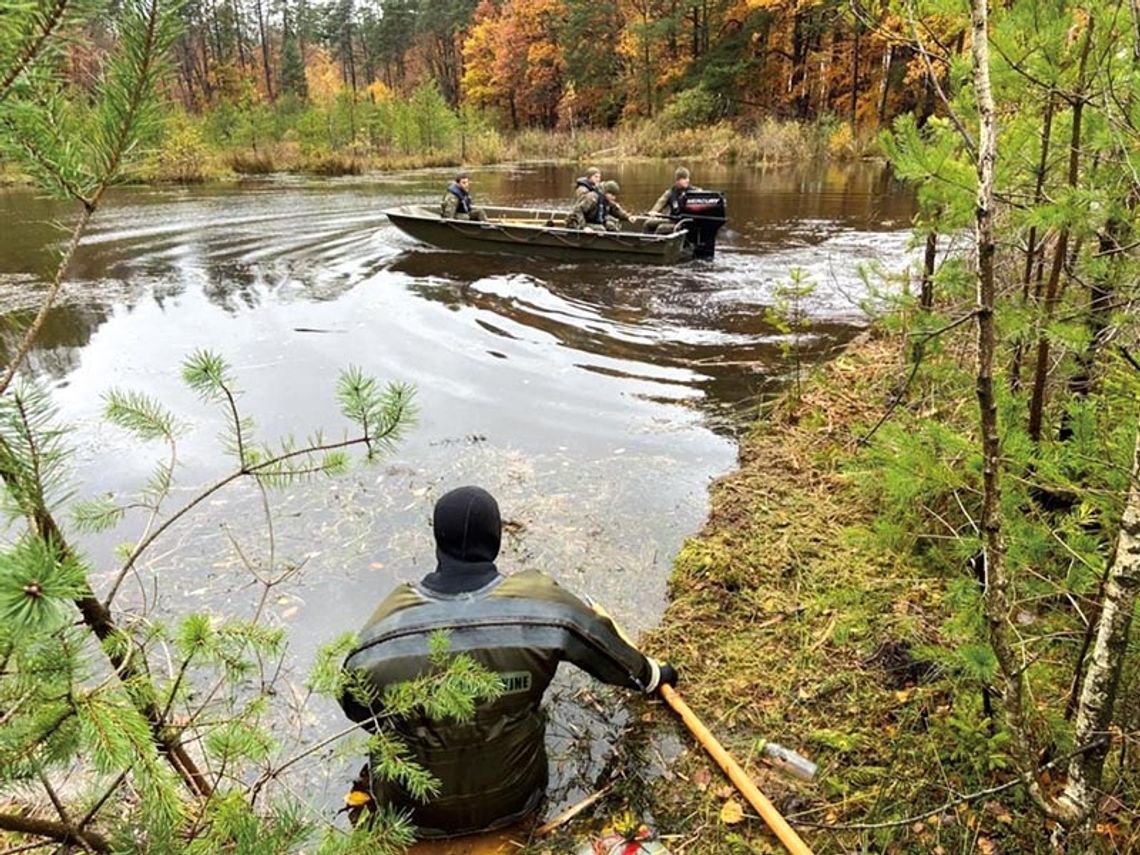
[
  {"x": 188, "y": 158},
  {"x": 788, "y": 624}
]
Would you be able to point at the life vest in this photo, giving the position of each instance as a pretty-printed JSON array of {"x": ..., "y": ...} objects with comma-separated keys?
[
  {"x": 462, "y": 195},
  {"x": 602, "y": 209}
]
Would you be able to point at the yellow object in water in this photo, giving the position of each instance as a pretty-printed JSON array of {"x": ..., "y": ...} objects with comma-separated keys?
[{"x": 356, "y": 798}]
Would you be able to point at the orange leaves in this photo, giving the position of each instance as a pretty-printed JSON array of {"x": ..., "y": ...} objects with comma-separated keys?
[{"x": 513, "y": 59}]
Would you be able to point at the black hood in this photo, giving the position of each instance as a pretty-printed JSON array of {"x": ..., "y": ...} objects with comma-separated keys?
[{"x": 468, "y": 531}]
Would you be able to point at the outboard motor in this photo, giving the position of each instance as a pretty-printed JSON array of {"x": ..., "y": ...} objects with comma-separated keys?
[{"x": 702, "y": 215}]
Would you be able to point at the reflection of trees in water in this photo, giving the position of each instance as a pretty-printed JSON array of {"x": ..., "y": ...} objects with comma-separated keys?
[
  {"x": 66, "y": 331},
  {"x": 233, "y": 286},
  {"x": 236, "y": 286}
]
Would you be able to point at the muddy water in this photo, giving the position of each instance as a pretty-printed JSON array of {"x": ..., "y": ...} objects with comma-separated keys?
[{"x": 595, "y": 401}]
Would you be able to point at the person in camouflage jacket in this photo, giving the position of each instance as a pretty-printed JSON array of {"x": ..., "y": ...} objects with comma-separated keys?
[
  {"x": 599, "y": 210},
  {"x": 457, "y": 205}
]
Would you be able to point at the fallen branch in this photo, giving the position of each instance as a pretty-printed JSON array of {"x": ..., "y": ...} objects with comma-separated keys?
[{"x": 572, "y": 811}]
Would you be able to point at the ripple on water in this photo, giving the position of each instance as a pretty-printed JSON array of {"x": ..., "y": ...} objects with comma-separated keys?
[{"x": 594, "y": 400}]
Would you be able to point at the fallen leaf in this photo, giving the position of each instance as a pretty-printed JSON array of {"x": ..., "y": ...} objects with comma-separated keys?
[
  {"x": 701, "y": 778},
  {"x": 290, "y": 612},
  {"x": 986, "y": 846},
  {"x": 731, "y": 812},
  {"x": 377, "y": 565}
]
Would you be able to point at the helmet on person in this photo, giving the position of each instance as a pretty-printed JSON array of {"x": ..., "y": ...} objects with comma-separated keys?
[
  {"x": 611, "y": 187},
  {"x": 467, "y": 525},
  {"x": 680, "y": 173}
]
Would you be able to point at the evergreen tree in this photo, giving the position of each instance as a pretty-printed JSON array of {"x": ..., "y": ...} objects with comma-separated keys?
[
  {"x": 291, "y": 69},
  {"x": 1043, "y": 160}
]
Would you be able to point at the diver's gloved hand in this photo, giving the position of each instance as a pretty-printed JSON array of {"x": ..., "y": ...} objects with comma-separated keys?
[{"x": 664, "y": 674}]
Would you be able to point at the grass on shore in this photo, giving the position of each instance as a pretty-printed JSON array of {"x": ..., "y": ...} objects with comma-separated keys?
[
  {"x": 186, "y": 155},
  {"x": 789, "y": 624}
]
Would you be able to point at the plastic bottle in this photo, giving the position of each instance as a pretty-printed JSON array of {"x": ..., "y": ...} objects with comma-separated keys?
[{"x": 787, "y": 760}]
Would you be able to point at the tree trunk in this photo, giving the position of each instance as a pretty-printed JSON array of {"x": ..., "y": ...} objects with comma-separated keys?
[
  {"x": 1031, "y": 248},
  {"x": 996, "y": 598},
  {"x": 1041, "y": 369},
  {"x": 1098, "y": 695},
  {"x": 53, "y": 830},
  {"x": 885, "y": 89},
  {"x": 238, "y": 36},
  {"x": 855, "y": 76},
  {"x": 219, "y": 54},
  {"x": 264, "y": 51},
  {"x": 929, "y": 256}
]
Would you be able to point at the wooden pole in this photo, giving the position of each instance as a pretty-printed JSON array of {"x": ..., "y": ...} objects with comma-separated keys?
[{"x": 786, "y": 834}]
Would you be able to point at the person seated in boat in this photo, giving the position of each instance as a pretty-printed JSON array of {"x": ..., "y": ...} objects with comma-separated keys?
[
  {"x": 670, "y": 204},
  {"x": 457, "y": 205},
  {"x": 492, "y": 769},
  {"x": 591, "y": 182},
  {"x": 599, "y": 211}
]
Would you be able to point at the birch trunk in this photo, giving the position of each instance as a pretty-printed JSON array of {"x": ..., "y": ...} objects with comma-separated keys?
[
  {"x": 997, "y": 584},
  {"x": 1098, "y": 695}
]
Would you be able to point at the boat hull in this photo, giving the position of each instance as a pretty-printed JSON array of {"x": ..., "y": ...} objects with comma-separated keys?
[{"x": 528, "y": 232}]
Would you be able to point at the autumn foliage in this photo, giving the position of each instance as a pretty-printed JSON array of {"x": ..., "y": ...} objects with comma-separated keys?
[{"x": 579, "y": 63}]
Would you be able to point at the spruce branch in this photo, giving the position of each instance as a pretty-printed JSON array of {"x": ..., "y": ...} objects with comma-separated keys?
[
  {"x": 383, "y": 415},
  {"x": 141, "y": 415},
  {"x": 273, "y": 771},
  {"x": 99, "y": 620},
  {"x": 32, "y": 148},
  {"x": 148, "y": 29}
]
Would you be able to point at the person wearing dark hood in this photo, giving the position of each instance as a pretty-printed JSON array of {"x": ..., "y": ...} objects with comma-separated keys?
[
  {"x": 492, "y": 769},
  {"x": 457, "y": 205}
]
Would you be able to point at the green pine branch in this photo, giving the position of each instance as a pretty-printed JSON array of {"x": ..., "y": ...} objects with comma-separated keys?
[{"x": 32, "y": 41}]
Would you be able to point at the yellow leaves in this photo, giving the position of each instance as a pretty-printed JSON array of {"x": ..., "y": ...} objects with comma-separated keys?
[
  {"x": 731, "y": 812},
  {"x": 322, "y": 76},
  {"x": 379, "y": 94},
  {"x": 512, "y": 51}
]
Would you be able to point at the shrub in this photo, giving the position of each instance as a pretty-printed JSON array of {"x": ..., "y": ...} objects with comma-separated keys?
[{"x": 692, "y": 108}]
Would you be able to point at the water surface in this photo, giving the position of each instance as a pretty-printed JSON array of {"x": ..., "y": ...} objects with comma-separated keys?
[{"x": 596, "y": 401}]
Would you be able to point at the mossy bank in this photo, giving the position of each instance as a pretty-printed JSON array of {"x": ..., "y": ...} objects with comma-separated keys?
[{"x": 790, "y": 623}]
